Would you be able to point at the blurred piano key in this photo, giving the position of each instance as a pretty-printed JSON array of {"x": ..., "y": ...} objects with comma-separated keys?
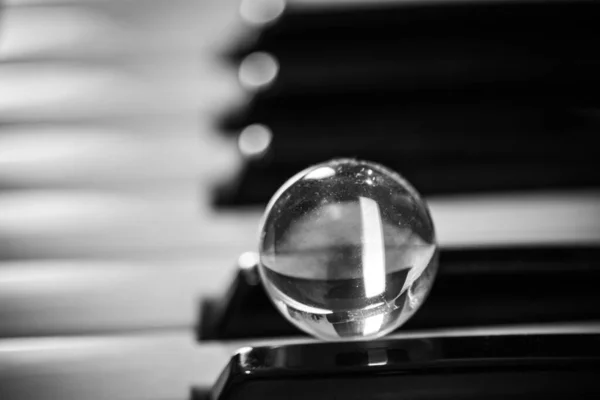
[
  {"x": 135, "y": 366},
  {"x": 82, "y": 296},
  {"x": 92, "y": 224},
  {"x": 426, "y": 45},
  {"x": 307, "y": 15},
  {"x": 67, "y": 92},
  {"x": 408, "y": 70},
  {"x": 37, "y": 3},
  {"x": 38, "y": 33},
  {"x": 105, "y": 138},
  {"x": 123, "y": 156},
  {"x": 31, "y": 87},
  {"x": 159, "y": 27}
]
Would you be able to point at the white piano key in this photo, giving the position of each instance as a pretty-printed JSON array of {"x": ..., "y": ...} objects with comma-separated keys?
[
  {"x": 152, "y": 367},
  {"x": 94, "y": 224},
  {"x": 56, "y": 92},
  {"x": 518, "y": 219},
  {"x": 47, "y": 85},
  {"x": 39, "y": 32},
  {"x": 53, "y": 297},
  {"x": 99, "y": 224},
  {"x": 37, "y": 3},
  {"x": 93, "y": 156},
  {"x": 143, "y": 27}
]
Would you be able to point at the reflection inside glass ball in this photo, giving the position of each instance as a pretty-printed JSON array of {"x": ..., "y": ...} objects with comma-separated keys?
[{"x": 347, "y": 250}]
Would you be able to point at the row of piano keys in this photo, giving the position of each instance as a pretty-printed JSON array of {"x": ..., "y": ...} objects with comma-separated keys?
[
  {"x": 107, "y": 157},
  {"x": 112, "y": 161}
]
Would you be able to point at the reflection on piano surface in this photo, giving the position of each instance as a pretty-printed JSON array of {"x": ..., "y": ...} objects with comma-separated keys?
[{"x": 140, "y": 140}]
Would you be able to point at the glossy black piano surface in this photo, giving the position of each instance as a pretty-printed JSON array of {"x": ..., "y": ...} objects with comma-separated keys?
[{"x": 494, "y": 367}]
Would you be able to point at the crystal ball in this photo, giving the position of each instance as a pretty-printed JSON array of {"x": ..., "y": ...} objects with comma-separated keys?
[{"x": 347, "y": 250}]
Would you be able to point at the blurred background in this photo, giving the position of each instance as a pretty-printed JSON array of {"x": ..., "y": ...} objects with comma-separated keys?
[{"x": 141, "y": 139}]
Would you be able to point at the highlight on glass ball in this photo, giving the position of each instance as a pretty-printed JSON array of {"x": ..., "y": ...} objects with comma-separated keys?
[{"x": 347, "y": 250}]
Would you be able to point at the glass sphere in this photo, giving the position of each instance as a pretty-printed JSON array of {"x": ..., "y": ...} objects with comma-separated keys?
[{"x": 347, "y": 250}]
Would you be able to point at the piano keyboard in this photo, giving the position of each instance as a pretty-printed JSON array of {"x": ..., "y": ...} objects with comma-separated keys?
[{"x": 130, "y": 182}]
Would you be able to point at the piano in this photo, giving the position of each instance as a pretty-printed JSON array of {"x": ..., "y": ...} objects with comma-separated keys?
[{"x": 141, "y": 140}]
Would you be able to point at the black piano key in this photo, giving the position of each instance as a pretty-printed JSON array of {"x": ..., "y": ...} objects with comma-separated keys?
[
  {"x": 431, "y": 112},
  {"x": 567, "y": 67},
  {"x": 474, "y": 287},
  {"x": 449, "y": 44},
  {"x": 490, "y": 367},
  {"x": 374, "y": 24},
  {"x": 441, "y": 149}
]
